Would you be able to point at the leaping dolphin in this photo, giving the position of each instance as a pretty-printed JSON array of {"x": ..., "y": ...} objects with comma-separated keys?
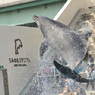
[{"x": 67, "y": 43}]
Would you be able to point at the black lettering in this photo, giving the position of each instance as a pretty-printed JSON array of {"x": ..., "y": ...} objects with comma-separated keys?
[
  {"x": 15, "y": 60},
  {"x": 19, "y": 60},
  {"x": 28, "y": 60},
  {"x": 19, "y": 64},
  {"x": 15, "y": 65},
  {"x": 10, "y": 60},
  {"x": 22, "y": 60},
  {"x": 24, "y": 64}
]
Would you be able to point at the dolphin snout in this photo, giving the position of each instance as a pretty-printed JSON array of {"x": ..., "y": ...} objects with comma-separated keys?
[{"x": 35, "y": 17}]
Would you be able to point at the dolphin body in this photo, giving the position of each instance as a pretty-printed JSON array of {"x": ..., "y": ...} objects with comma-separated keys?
[{"x": 67, "y": 43}]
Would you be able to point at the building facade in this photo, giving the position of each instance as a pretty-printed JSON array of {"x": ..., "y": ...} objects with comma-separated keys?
[{"x": 20, "y": 12}]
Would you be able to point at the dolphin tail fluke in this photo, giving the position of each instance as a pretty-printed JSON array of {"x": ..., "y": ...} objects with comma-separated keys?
[{"x": 70, "y": 73}]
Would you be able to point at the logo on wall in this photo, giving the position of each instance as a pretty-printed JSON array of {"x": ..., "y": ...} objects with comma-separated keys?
[
  {"x": 19, "y": 61},
  {"x": 18, "y": 45}
]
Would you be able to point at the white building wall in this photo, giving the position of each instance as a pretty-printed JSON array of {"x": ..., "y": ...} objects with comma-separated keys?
[{"x": 69, "y": 10}]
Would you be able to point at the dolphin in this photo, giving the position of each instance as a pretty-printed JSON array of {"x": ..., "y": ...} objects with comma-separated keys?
[{"x": 66, "y": 42}]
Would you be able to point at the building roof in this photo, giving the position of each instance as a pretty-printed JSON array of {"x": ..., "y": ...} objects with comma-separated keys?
[
  {"x": 22, "y": 13},
  {"x": 23, "y": 4}
]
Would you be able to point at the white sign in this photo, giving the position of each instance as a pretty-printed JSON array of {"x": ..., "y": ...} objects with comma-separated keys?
[{"x": 19, "y": 47}]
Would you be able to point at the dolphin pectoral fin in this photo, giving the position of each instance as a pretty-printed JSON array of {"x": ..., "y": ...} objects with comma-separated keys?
[
  {"x": 43, "y": 48},
  {"x": 70, "y": 73}
]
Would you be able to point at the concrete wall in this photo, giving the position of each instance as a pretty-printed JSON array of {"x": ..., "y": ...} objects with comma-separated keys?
[
  {"x": 71, "y": 7},
  {"x": 19, "y": 72}
]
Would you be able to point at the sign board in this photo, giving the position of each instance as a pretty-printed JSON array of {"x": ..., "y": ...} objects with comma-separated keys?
[{"x": 19, "y": 47}]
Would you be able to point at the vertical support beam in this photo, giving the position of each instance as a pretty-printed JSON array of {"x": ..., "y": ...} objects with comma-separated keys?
[{"x": 5, "y": 79}]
